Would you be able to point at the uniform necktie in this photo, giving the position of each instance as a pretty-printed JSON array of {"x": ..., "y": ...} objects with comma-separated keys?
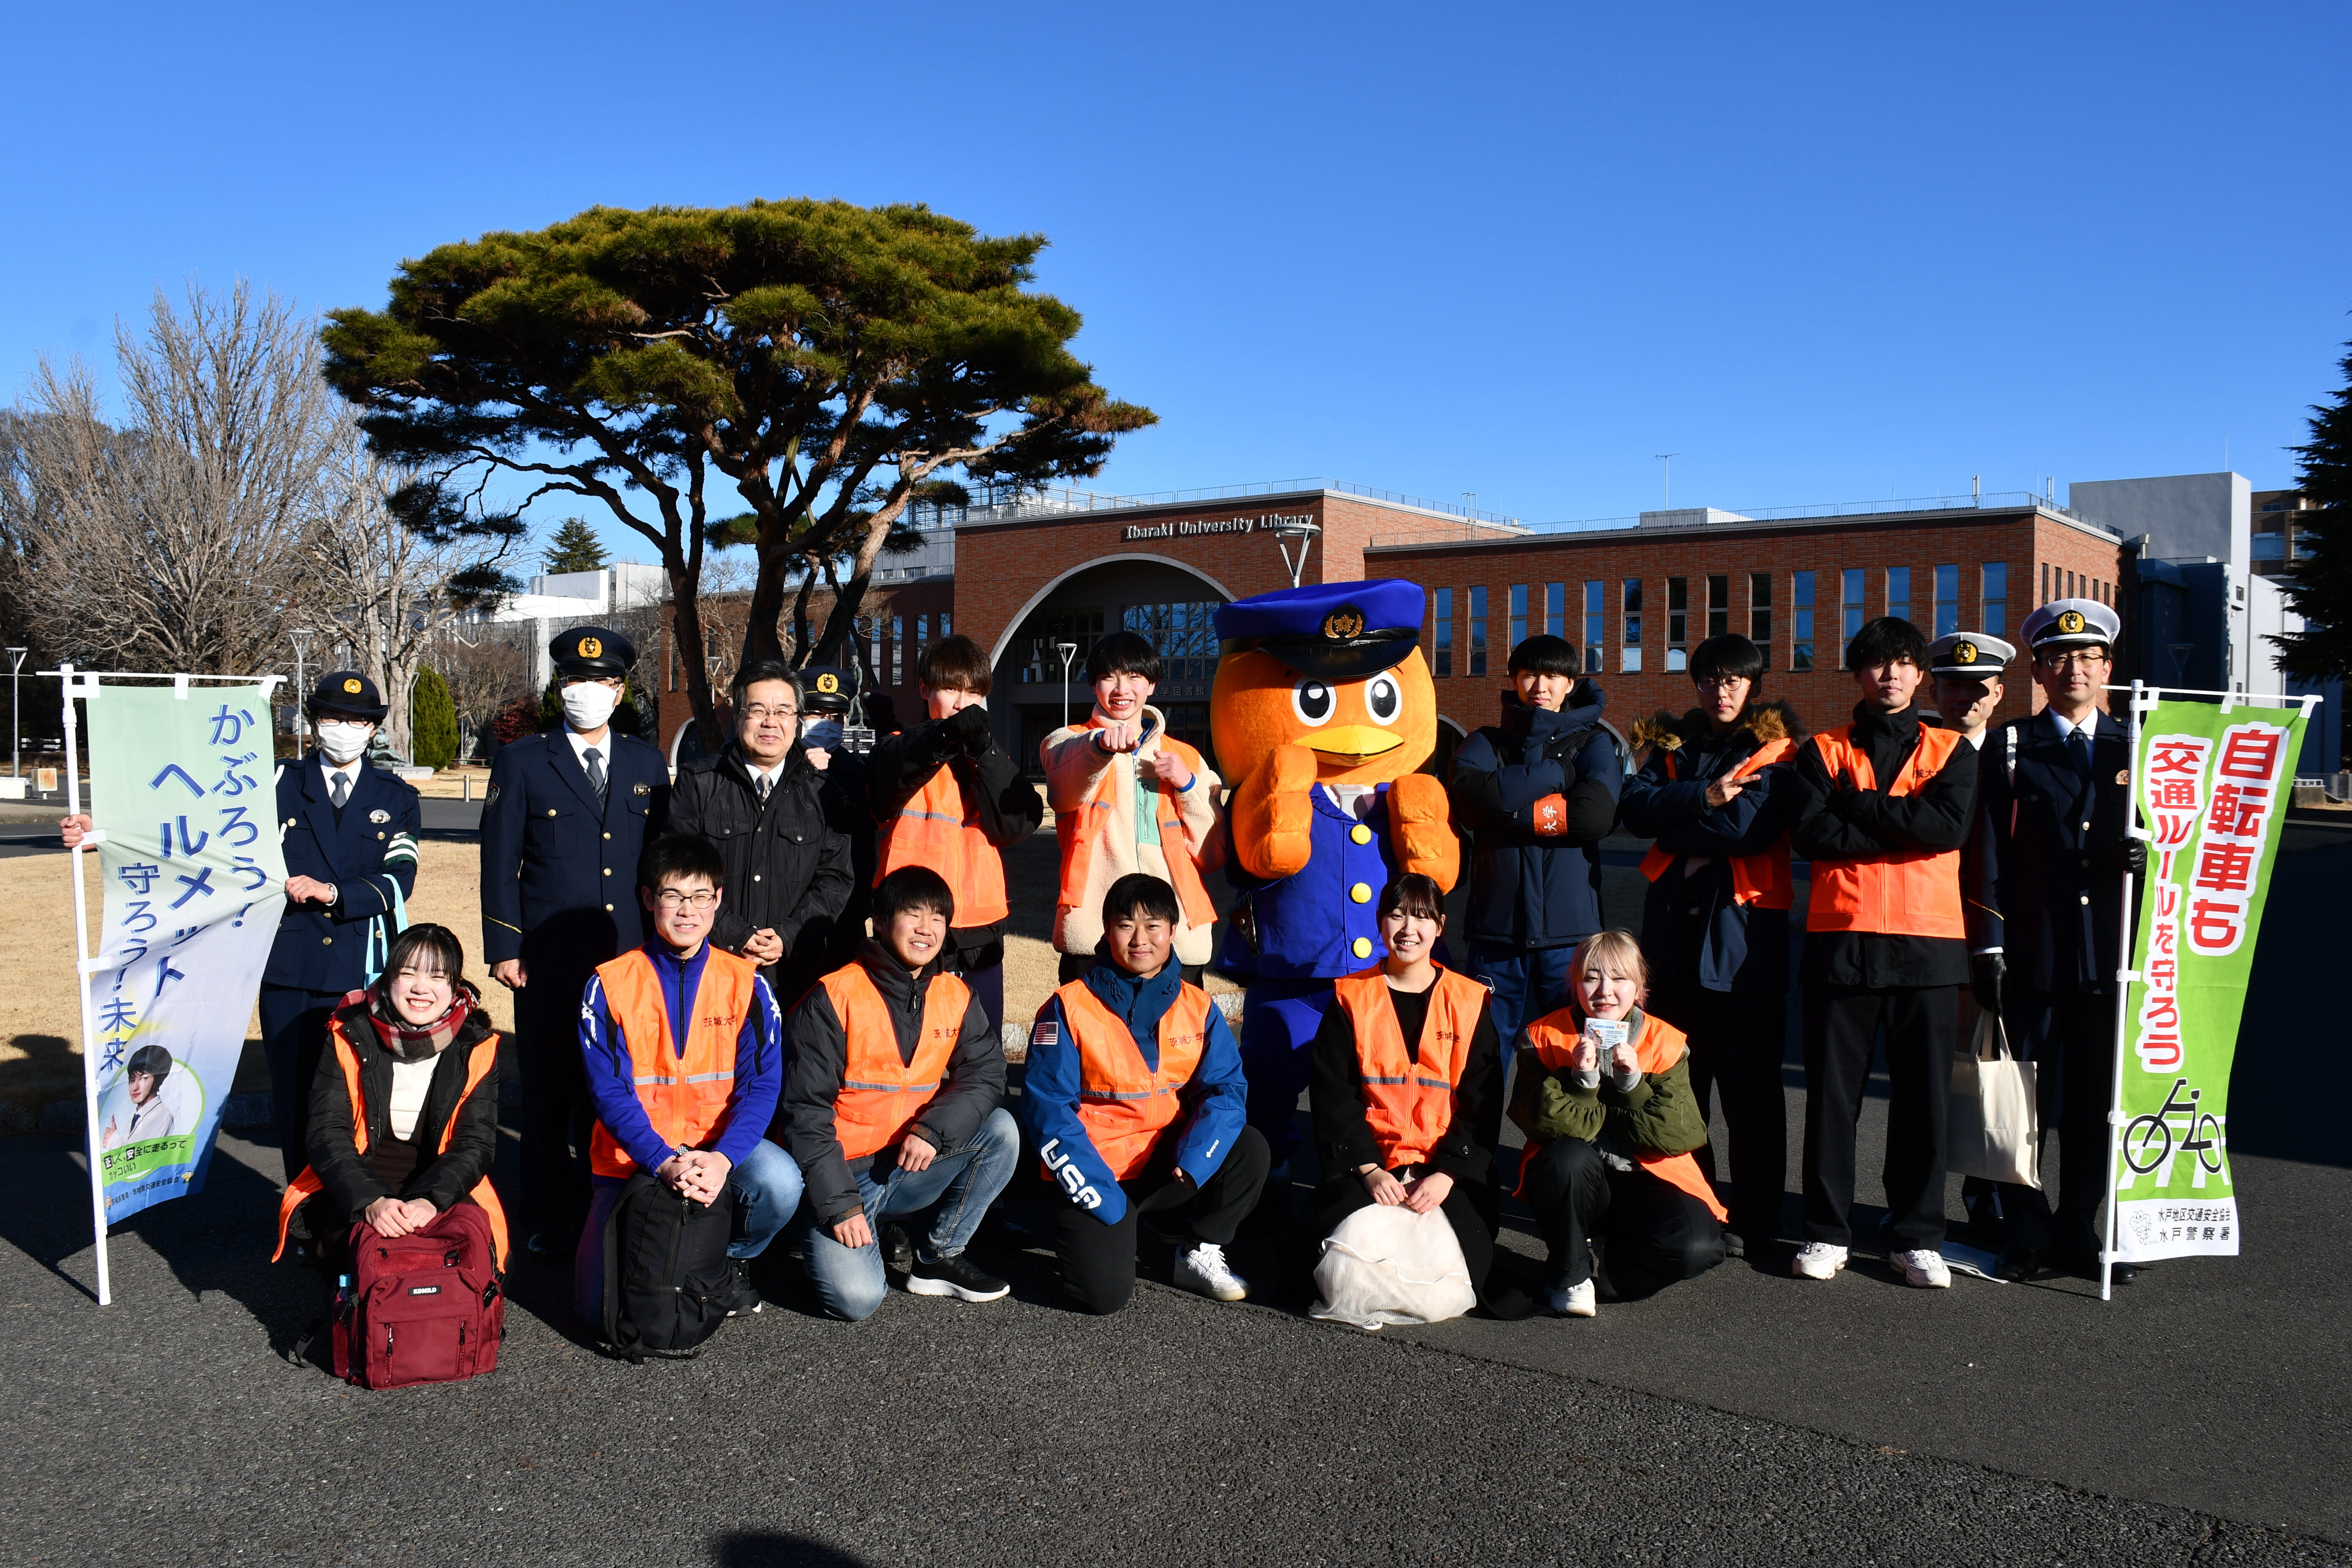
[
  {"x": 339, "y": 790},
  {"x": 2079, "y": 742},
  {"x": 595, "y": 761}
]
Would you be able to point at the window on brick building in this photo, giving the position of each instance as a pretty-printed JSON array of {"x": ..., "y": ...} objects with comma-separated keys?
[
  {"x": 1182, "y": 634},
  {"x": 1556, "y": 609},
  {"x": 1677, "y": 621},
  {"x": 1760, "y": 613},
  {"x": 1948, "y": 601},
  {"x": 1995, "y": 614},
  {"x": 922, "y": 631},
  {"x": 898, "y": 650},
  {"x": 1442, "y": 639},
  {"x": 1898, "y": 593},
  {"x": 1083, "y": 627},
  {"x": 944, "y": 632},
  {"x": 1719, "y": 603},
  {"x": 1477, "y": 630},
  {"x": 1849, "y": 602},
  {"x": 1596, "y": 612},
  {"x": 1800, "y": 620},
  {"x": 1519, "y": 614},
  {"x": 1629, "y": 650}
]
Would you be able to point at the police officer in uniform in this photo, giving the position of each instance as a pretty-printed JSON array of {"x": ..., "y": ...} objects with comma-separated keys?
[
  {"x": 567, "y": 815},
  {"x": 832, "y": 738},
  {"x": 348, "y": 833},
  {"x": 2056, "y": 790}
]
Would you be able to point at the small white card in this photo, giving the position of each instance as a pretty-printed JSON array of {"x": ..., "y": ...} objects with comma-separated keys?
[{"x": 1606, "y": 1034}]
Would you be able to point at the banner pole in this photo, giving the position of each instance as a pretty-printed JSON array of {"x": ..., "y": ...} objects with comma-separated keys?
[
  {"x": 81, "y": 980},
  {"x": 2125, "y": 975}
]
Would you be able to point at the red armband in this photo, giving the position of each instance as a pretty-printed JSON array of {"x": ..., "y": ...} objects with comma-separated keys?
[{"x": 1549, "y": 815}]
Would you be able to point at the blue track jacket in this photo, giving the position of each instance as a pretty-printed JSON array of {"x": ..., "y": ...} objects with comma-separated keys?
[
  {"x": 758, "y": 1062},
  {"x": 1051, "y": 1092}
]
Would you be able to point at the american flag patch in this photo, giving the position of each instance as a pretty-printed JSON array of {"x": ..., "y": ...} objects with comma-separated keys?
[{"x": 1047, "y": 1032}]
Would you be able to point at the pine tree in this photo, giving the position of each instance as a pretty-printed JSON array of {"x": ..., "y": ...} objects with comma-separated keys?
[
  {"x": 575, "y": 548},
  {"x": 2321, "y": 591},
  {"x": 435, "y": 744}
]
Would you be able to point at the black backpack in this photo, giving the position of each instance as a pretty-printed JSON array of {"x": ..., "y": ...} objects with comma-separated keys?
[{"x": 668, "y": 1283}]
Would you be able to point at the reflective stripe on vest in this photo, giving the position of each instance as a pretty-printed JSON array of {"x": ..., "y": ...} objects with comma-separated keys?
[
  {"x": 1900, "y": 892},
  {"x": 881, "y": 1095},
  {"x": 1763, "y": 880},
  {"x": 938, "y": 828},
  {"x": 1123, "y": 1105},
  {"x": 685, "y": 1096},
  {"x": 485, "y": 1061},
  {"x": 1082, "y": 827},
  {"x": 1659, "y": 1045},
  {"x": 1409, "y": 1106}
]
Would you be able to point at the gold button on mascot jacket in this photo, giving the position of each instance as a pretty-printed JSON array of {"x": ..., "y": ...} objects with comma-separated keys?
[{"x": 1323, "y": 709}]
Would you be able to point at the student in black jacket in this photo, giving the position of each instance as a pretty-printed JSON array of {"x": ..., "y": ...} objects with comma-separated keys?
[{"x": 763, "y": 803}]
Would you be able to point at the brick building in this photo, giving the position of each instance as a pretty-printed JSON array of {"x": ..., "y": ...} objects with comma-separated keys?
[{"x": 1024, "y": 580}]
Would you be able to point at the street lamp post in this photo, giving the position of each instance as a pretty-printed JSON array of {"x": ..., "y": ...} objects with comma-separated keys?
[
  {"x": 1303, "y": 532},
  {"x": 1068, "y": 650},
  {"x": 15, "y": 714},
  {"x": 301, "y": 637}
]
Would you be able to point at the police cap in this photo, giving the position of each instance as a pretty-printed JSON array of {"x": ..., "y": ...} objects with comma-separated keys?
[
  {"x": 829, "y": 688},
  {"x": 592, "y": 650},
  {"x": 348, "y": 691},
  {"x": 2061, "y": 622},
  {"x": 1968, "y": 656},
  {"x": 1341, "y": 631}
]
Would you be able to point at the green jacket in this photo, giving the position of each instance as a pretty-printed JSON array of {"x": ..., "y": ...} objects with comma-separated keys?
[{"x": 1659, "y": 1115}]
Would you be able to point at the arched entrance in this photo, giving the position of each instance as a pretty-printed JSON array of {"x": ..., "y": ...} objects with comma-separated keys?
[{"x": 1166, "y": 601}]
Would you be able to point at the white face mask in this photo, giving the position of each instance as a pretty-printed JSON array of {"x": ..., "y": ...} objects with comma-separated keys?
[
  {"x": 587, "y": 705},
  {"x": 344, "y": 743}
]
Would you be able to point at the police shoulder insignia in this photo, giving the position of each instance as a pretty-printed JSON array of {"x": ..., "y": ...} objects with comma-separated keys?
[
  {"x": 351, "y": 687},
  {"x": 379, "y": 815},
  {"x": 1343, "y": 623},
  {"x": 591, "y": 648},
  {"x": 1046, "y": 1032},
  {"x": 491, "y": 797},
  {"x": 641, "y": 789},
  {"x": 2070, "y": 622},
  {"x": 1966, "y": 653}
]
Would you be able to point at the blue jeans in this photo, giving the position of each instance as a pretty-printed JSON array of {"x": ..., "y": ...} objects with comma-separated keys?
[
  {"x": 960, "y": 1184},
  {"x": 1527, "y": 983},
  {"x": 766, "y": 1185}
]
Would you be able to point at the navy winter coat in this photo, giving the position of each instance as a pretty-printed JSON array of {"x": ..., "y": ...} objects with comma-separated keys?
[{"x": 1526, "y": 889}]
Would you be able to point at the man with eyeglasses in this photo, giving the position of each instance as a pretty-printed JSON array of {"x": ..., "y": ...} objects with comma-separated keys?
[
  {"x": 760, "y": 801},
  {"x": 2057, "y": 798}
]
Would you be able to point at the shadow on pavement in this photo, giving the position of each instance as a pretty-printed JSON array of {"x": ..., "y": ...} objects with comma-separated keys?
[{"x": 765, "y": 1551}]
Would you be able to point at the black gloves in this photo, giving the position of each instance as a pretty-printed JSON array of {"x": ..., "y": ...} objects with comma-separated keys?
[
  {"x": 2131, "y": 858},
  {"x": 966, "y": 729},
  {"x": 1986, "y": 972}
]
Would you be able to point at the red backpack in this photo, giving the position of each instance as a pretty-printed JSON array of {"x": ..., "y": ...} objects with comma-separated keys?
[{"x": 421, "y": 1308}]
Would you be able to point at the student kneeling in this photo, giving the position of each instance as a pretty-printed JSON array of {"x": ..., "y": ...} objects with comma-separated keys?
[
  {"x": 684, "y": 1051},
  {"x": 1135, "y": 1097},
  {"x": 893, "y": 1106},
  {"x": 1406, "y": 1087},
  {"x": 1610, "y": 1131}
]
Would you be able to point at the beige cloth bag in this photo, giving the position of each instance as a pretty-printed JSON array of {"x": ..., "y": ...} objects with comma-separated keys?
[
  {"x": 1992, "y": 1127},
  {"x": 1386, "y": 1264}
]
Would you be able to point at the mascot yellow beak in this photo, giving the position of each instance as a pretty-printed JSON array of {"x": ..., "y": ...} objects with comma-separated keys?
[{"x": 1352, "y": 740}]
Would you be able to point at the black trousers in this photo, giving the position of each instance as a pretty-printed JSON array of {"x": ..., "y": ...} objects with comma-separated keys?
[
  {"x": 1736, "y": 1043},
  {"x": 1099, "y": 1259},
  {"x": 1654, "y": 1233},
  {"x": 1470, "y": 1208},
  {"x": 293, "y": 1037},
  {"x": 1841, "y": 1026},
  {"x": 2072, "y": 1038},
  {"x": 558, "y": 1117}
]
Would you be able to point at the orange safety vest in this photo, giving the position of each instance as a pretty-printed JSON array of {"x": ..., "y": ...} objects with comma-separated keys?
[
  {"x": 484, "y": 1061},
  {"x": 685, "y": 1096},
  {"x": 939, "y": 829},
  {"x": 1079, "y": 828},
  {"x": 1123, "y": 1105},
  {"x": 1656, "y": 1048},
  {"x": 1903, "y": 892},
  {"x": 1763, "y": 878},
  {"x": 880, "y": 1094},
  {"x": 1410, "y": 1104}
]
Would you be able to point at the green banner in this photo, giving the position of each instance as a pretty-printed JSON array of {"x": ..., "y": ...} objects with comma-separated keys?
[{"x": 2213, "y": 788}]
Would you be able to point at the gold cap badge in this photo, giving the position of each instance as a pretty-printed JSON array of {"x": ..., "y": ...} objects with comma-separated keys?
[
  {"x": 591, "y": 648},
  {"x": 1964, "y": 652},
  {"x": 2070, "y": 622},
  {"x": 351, "y": 688},
  {"x": 828, "y": 684},
  {"x": 1344, "y": 623}
]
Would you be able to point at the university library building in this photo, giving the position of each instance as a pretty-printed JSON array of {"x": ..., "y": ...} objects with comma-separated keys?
[{"x": 1037, "y": 580}]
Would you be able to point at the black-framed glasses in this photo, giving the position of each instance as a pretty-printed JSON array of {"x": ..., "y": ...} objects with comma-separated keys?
[{"x": 671, "y": 899}]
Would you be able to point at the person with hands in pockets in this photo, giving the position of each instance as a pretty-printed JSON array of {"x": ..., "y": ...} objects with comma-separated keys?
[{"x": 1135, "y": 1098}]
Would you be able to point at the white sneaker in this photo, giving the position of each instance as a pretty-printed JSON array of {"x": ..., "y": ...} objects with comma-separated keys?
[
  {"x": 1923, "y": 1266},
  {"x": 1202, "y": 1268},
  {"x": 1819, "y": 1260},
  {"x": 1572, "y": 1300}
]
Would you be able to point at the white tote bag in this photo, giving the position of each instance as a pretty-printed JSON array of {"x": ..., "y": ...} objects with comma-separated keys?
[
  {"x": 1992, "y": 1128},
  {"x": 1386, "y": 1264}
]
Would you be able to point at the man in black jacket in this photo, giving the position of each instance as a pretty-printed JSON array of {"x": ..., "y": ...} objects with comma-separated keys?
[
  {"x": 761, "y": 803},
  {"x": 950, "y": 797},
  {"x": 1537, "y": 794},
  {"x": 1882, "y": 807}
]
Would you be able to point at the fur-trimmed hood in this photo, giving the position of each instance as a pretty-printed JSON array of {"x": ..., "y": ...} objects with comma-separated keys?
[{"x": 1769, "y": 720}]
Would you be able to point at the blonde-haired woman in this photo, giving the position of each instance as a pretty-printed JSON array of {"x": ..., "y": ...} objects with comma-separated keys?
[{"x": 1604, "y": 1097}]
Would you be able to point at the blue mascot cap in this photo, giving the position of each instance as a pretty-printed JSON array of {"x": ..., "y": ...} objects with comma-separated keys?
[{"x": 1341, "y": 631}]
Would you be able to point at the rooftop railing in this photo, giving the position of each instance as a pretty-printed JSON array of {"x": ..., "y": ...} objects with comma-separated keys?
[{"x": 1686, "y": 520}]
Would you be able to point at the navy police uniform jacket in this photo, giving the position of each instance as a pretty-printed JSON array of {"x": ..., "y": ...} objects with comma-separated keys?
[
  {"x": 559, "y": 866},
  {"x": 366, "y": 852},
  {"x": 1312, "y": 924},
  {"x": 2045, "y": 886}
]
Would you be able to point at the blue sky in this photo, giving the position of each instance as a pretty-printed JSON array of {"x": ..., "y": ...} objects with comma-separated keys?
[{"x": 1823, "y": 253}]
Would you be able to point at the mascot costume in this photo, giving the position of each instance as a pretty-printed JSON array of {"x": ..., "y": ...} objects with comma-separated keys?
[{"x": 1322, "y": 709}]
